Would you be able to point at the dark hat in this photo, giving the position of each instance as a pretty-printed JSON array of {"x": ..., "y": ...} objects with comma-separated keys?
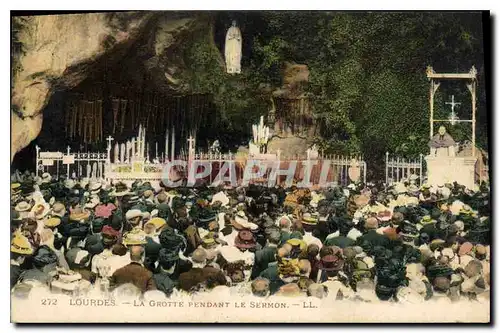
[
  {"x": 384, "y": 293},
  {"x": 76, "y": 253},
  {"x": 167, "y": 256},
  {"x": 109, "y": 232},
  {"x": 439, "y": 270},
  {"x": 441, "y": 283},
  {"x": 44, "y": 256},
  {"x": 245, "y": 240},
  {"x": 97, "y": 224},
  {"x": 331, "y": 263},
  {"x": 171, "y": 240}
]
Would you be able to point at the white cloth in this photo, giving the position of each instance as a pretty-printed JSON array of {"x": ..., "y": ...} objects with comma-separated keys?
[
  {"x": 229, "y": 239},
  {"x": 106, "y": 263},
  {"x": 310, "y": 239},
  {"x": 233, "y": 254},
  {"x": 354, "y": 234}
]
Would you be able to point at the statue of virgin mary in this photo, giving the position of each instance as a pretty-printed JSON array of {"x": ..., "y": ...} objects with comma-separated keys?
[{"x": 233, "y": 50}]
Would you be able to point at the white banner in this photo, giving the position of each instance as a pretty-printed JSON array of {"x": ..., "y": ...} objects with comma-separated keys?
[
  {"x": 68, "y": 159},
  {"x": 49, "y": 154},
  {"x": 48, "y": 162}
]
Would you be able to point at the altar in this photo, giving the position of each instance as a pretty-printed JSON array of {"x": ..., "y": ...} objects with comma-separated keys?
[
  {"x": 442, "y": 170},
  {"x": 443, "y": 164}
]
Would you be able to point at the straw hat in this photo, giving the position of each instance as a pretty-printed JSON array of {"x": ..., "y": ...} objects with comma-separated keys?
[
  {"x": 52, "y": 222},
  {"x": 21, "y": 245},
  {"x": 58, "y": 209},
  {"x": 158, "y": 222},
  {"x": 135, "y": 237},
  {"x": 40, "y": 210},
  {"x": 78, "y": 214},
  {"x": 22, "y": 206}
]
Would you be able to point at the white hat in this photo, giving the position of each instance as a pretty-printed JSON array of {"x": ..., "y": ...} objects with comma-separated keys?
[
  {"x": 69, "y": 183},
  {"x": 94, "y": 201},
  {"x": 222, "y": 197},
  {"x": 46, "y": 177},
  {"x": 22, "y": 206},
  {"x": 133, "y": 213}
]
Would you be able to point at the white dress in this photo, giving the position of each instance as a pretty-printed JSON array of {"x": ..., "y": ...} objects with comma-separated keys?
[{"x": 233, "y": 50}]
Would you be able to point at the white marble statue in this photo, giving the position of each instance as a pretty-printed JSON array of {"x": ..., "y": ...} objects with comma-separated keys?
[{"x": 232, "y": 51}]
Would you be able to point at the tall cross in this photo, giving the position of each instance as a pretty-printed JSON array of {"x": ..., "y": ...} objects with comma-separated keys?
[
  {"x": 109, "y": 139},
  {"x": 453, "y": 103},
  {"x": 191, "y": 143}
]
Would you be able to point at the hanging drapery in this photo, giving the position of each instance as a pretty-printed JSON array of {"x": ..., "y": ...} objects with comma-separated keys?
[
  {"x": 98, "y": 120},
  {"x": 123, "y": 112}
]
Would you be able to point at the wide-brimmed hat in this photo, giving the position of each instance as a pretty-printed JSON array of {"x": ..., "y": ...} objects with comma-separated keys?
[
  {"x": 110, "y": 232},
  {"x": 58, "y": 209},
  {"x": 371, "y": 223},
  {"x": 93, "y": 201},
  {"x": 427, "y": 219},
  {"x": 105, "y": 211},
  {"x": 46, "y": 177},
  {"x": 120, "y": 190},
  {"x": 52, "y": 222},
  {"x": 309, "y": 222},
  {"x": 298, "y": 247},
  {"x": 79, "y": 214},
  {"x": 135, "y": 237},
  {"x": 331, "y": 263},
  {"x": 157, "y": 222},
  {"x": 245, "y": 240},
  {"x": 167, "y": 255},
  {"x": 465, "y": 248},
  {"x": 95, "y": 187},
  {"x": 133, "y": 213},
  {"x": 22, "y": 206},
  {"x": 40, "y": 210},
  {"x": 209, "y": 240},
  {"x": 240, "y": 221},
  {"x": 21, "y": 245}
]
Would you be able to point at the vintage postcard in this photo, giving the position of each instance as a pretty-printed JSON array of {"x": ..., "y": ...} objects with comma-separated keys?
[{"x": 250, "y": 166}]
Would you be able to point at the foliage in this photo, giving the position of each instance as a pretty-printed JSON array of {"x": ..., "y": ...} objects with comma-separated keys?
[{"x": 367, "y": 74}]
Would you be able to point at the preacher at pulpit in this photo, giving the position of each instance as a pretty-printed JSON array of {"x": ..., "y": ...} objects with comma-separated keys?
[{"x": 442, "y": 144}]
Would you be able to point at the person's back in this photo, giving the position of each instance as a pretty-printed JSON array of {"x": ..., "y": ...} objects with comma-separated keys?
[
  {"x": 340, "y": 241},
  {"x": 134, "y": 272}
]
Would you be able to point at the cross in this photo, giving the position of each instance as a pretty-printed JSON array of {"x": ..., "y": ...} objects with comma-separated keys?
[
  {"x": 453, "y": 103},
  {"x": 109, "y": 139},
  {"x": 191, "y": 143}
]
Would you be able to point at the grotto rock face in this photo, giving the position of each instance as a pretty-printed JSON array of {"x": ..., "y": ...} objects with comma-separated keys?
[{"x": 57, "y": 52}]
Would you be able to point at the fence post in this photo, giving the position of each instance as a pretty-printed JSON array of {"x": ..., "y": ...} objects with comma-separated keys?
[
  {"x": 421, "y": 169},
  {"x": 386, "y": 169},
  {"x": 67, "y": 167},
  {"x": 364, "y": 173},
  {"x": 37, "y": 154}
]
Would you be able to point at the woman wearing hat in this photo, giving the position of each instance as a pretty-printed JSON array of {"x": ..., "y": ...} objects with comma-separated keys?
[{"x": 20, "y": 248}]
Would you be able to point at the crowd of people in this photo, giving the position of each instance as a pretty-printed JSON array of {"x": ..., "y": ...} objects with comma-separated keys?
[{"x": 366, "y": 242}]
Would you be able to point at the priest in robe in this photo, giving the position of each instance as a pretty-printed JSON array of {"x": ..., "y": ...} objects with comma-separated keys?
[
  {"x": 232, "y": 51},
  {"x": 442, "y": 144}
]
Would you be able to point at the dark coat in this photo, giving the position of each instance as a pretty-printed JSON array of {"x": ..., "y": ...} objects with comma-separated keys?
[
  {"x": 262, "y": 259},
  {"x": 271, "y": 273},
  {"x": 340, "y": 241},
  {"x": 133, "y": 273},
  {"x": 15, "y": 272},
  {"x": 210, "y": 276},
  {"x": 164, "y": 283},
  {"x": 373, "y": 239}
]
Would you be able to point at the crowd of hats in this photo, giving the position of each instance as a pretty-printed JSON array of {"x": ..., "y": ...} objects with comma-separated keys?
[{"x": 405, "y": 240}]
